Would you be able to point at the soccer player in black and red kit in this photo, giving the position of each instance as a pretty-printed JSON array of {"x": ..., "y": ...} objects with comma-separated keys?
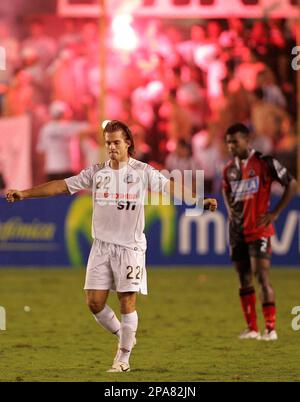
[{"x": 247, "y": 181}]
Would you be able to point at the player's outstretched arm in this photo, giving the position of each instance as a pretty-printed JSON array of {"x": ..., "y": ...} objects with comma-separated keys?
[{"x": 49, "y": 189}]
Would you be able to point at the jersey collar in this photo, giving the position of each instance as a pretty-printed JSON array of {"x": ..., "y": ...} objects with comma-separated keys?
[
  {"x": 107, "y": 164},
  {"x": 244, "y": 161}
]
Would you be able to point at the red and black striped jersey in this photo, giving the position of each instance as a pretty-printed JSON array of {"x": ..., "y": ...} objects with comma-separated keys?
[{"x": 248, "y": 185}]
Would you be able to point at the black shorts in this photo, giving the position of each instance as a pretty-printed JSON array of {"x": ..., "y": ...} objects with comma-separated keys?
[{"x": 240, "y": 251}]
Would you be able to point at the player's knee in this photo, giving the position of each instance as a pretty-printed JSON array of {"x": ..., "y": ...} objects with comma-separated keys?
[
  {"x": 266, "y": 287},
  {"x": 95, "y": 305},
  {"x": 261, "y": 279},
  {"x": 246, "y": 282},
  {"x": 127, "y": 304}
]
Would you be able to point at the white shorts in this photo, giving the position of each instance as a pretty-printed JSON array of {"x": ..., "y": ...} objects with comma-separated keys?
[{"x": 112, "y": 267}]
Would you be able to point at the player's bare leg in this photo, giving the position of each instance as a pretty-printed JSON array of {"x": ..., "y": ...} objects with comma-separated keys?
[
  {"x": 129, "y": 324},
  {"x": 248, "y": 298},
  {"x": 261, "y": 267},
  {"x": 104, "y": 315},
  {"x": 243, "y": 269}
]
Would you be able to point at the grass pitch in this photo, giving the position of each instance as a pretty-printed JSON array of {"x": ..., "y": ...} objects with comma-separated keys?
[{"x": 187, "y": 332}]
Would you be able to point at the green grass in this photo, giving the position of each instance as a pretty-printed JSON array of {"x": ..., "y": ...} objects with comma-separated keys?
[{"x": 188, "y": 330}]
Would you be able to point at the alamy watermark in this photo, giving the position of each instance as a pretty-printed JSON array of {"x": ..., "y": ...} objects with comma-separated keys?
[
  {"x": 296, "y": 60},
  {"x": 2, "y": 59},
  {"x": 296, "y": 320},
  {"x": 2, "y": 319},
  {"x": 142, "y": 187}
]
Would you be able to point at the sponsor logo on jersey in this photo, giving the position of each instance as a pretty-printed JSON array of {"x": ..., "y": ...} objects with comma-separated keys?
[
  {"x": 244, "y": 189},
  {"x": 114, "y": 198},
  {"x": 128, "y": 179}
]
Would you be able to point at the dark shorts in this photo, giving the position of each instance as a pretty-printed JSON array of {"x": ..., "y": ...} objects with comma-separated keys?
[{"x": 261, "y": 248}]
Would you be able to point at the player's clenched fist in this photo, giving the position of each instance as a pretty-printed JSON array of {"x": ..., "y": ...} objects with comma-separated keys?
[
  {"x": 211, "y": 204},
  {"x": 14, "y": 195}
]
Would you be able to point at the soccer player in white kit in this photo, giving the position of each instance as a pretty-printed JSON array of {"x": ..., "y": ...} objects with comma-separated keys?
[{"x": 117, "y": 257}]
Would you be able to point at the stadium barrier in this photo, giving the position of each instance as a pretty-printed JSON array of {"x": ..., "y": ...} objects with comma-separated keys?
[{"x": 55, "y": 232}]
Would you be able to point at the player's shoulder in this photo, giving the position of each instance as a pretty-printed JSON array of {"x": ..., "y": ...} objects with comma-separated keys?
[
  {"x": 93, "y": 169},
  {"x": 100, "y": 166},
  {"x": 265, "y": 158},
  {"x": 138, "y": 165},
  {"x": 262, "y": 156},
  {"x": 273, "y": 166}
]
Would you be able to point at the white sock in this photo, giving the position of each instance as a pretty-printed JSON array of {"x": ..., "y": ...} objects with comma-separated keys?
[
  {"x": 108, "y": 319},
  {"x": 129, "y": 324}
]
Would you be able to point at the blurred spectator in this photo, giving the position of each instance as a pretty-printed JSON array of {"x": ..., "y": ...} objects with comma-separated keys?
[
  {"x": 234, "y": 35},
  {"x": 286, "y": 147},
  {"x": 207, "y": 156},
  {"x": 31, "y": 64},
  {"x": 266, "y": 119},
  {"x": 70, "y": 36},
  {"x": 181, "y": 159},
  {"x": 62, "y": 76},
  {"x": 272, "y": 92},
  {"x": 92, "y": 144},
  {"x": 11, "y": 46},
  {"x": 21, "y": 97},
  {"x": 258, "y": 38},
  {"x": 90, "y": 38},
  {"x": 44, "y": 46},
  {"x": 278, "y": 58},
  {"x": 89, "y": 147},
  {"x": 214, "y": 30},
  {"x": 224, "y": 107},
  {"x": 142, "y": 149},
  {"x": 192, "y": 97},
  {"x": 197, "y": 39},
  {"x": 56, "y": 139},
  {"x": 144, "y": 99},
  {"x": 247, "y": 71},
  {"x": 169, "y": 43},
  {"x": 216, "y": 72},
  {"x": 178, "y": 124}
]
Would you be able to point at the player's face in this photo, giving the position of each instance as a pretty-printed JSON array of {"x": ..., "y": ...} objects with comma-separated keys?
[
  {"x": 116, "y": 146},
  {"x": 238, "y": 145}
]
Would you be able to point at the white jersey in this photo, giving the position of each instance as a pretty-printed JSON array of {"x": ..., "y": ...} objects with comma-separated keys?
[{"x": 118, "y": 200}]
